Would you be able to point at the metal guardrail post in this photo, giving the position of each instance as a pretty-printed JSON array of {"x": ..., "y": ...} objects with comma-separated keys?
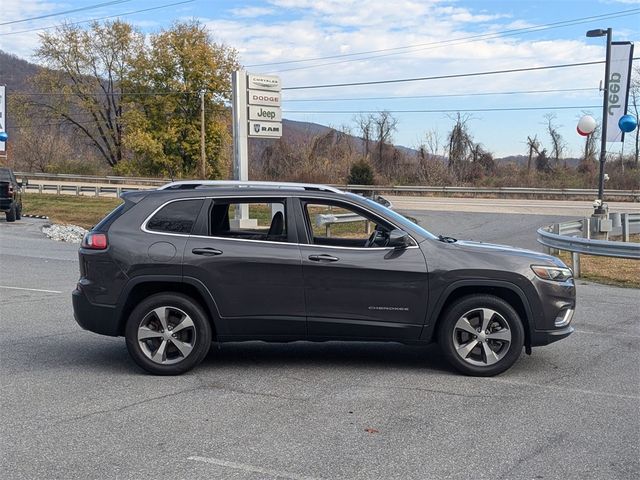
[
  {"x": 556, "y": 230},
  {"x": 97, "y": 190},
  {"x": 624, "y": 220},
  {"x": 57, "y": 189}
]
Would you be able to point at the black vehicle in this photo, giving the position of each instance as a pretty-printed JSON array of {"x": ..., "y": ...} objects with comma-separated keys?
[
  {"x": 174, "y": 269},
  {"x": 10, "y": 195}
]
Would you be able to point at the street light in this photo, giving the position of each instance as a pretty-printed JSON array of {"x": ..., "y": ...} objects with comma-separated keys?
[{"x": 599, "y": 207}]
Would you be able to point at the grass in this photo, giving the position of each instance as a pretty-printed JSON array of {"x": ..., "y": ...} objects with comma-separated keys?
[
  {"x": 622, "y": 272},
  {"x": 77, "y": 210}
]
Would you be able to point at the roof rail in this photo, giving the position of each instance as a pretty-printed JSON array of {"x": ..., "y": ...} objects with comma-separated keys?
[{"x": 193, "y": 184}]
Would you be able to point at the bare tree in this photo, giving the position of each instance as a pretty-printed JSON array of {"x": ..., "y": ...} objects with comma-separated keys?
[
  {"x": 364, "y": 123},
  {"x": 557, "y": 142},
  {"x": 459, "y": 140},
  {"x": 384, "y": 124},
  {"x": 534, "y": 147}
]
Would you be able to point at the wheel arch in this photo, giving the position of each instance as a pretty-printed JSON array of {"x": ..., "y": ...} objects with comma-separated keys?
[
  {"x": 506, "y": 291},
  {"x": 139, "y": 289}
]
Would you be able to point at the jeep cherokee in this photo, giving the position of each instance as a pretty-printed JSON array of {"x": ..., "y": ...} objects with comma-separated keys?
[{"x": 193, "y": 262}]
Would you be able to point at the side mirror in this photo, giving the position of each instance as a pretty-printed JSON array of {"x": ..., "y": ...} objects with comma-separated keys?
[{"x": 399, "y": 238}]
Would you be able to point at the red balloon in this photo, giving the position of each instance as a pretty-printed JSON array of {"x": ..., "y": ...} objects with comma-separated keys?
[{"x": 580, "y": 132}]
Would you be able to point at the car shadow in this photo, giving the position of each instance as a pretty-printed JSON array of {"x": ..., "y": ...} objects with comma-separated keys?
[{"x": 348, "y": 355}]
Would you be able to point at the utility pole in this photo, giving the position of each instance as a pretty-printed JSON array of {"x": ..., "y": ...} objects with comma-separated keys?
[{"x": 203, "y": 155}]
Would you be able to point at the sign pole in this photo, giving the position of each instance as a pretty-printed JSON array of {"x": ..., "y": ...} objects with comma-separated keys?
[
  {"x": 601, "y": 209},
  {"x": 240, "y": 140}
]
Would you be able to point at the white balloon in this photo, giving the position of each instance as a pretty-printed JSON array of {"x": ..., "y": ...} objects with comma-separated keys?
[{"x": 587, "y": 124}]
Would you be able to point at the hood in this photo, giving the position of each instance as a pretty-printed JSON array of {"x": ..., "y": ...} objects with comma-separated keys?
[{"x": 480, "y": 247}]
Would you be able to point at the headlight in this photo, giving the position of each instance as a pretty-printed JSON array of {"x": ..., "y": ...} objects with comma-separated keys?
[{"x": 556, "y": 274}]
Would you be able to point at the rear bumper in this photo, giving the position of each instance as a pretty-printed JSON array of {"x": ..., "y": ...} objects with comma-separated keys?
[
  {"x": 100, "y": 319},
  {"x": 5, "y": 204},
  {"x": 545, "y": 337}
]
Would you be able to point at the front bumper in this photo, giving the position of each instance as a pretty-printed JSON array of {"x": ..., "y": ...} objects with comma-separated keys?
[
  {"x": 100, "y": 319},
  {"x": 540, "y": 338}
]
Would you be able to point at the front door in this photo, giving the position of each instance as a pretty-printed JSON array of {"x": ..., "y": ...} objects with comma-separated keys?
[
  {"x": 355, "y": 286},
  {"x": 249, "y": 260}
]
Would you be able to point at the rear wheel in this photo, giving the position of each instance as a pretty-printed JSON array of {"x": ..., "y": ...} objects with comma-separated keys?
[
  {"x": 168, "y": 334},
  {"x": 481, "y": 335},
  {"x": 11, "y": 214},
  {"x": 19, "y": 212}
]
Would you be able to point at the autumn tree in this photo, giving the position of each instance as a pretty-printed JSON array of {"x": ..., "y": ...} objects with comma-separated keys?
[
  {"x": 458, "y": 141},
  {"x": 163, "y": 130},
  {"x": 85, "y": 79}
]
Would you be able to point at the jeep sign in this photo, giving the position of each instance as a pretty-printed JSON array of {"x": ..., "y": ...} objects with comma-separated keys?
[
  {"x": 259, "y": 97},
  {"x": 619, "y": 79},
  {"x": 270, "y": 114}
]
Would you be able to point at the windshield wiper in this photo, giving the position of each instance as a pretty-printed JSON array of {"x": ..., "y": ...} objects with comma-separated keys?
[{"x": 444, "y": 239}]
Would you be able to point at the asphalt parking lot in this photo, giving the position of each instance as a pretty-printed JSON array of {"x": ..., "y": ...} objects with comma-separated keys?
[{"x": 75, "y": 406}]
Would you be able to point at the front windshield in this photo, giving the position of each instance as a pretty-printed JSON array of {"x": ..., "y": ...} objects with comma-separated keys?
[{"x": 396, "y": 217}]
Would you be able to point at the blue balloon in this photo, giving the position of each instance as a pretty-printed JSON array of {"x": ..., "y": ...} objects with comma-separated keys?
[
  {"x": 628, "y": 123},
  {"x": 3, "y": 136}
]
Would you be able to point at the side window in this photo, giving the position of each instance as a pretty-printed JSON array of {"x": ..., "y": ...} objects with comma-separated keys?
[
  {"x": 176, "y": 217},
  {"x": 336, "y": 224},
  {"x": 246, "y": 219}
]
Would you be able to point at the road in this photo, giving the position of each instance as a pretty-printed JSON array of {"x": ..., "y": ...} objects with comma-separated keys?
[{"x": 75, "y": 406}]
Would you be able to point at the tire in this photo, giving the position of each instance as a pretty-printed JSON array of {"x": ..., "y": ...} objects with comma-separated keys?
[
  {"x": 19, "y": 212},
  {"x": 468, "y": 347},
  {"x": 160, "y": 352},
  {"x": 11, "y": 213}
]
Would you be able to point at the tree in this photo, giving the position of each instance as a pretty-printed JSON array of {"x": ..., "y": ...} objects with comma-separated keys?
[
  {"x": 384, "y": 126},
  {"x": 164, "y": 129},
  {"x": 557, "y": 142},
  {"x": 86, "y": 75},
  {"x": 459, "y": 141},
  {"x": 634, "y": 103},
  {"x": 364, "y": 124},
  {"x": 533, "y": 146},
  {"x": 361, "y": 173}
]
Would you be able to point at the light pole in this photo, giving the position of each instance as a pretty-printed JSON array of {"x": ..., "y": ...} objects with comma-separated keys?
[{"x": 600, "y": 208}]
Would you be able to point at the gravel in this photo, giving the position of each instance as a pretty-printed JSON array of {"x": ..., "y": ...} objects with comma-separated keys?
[{"x": 64, "y": 233}]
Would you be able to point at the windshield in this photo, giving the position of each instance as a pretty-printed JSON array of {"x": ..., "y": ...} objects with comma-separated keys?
[{"x": 396, "y": 217}]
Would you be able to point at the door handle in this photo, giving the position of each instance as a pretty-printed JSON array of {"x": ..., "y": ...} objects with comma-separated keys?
[
  {"x": 323, "y": 258},
  {"x": 207, "y": 251}
]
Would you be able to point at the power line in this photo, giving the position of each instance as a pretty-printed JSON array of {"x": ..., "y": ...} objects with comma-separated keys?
[
  {"x": 81, "y": 9},
  {"x": 446, "y": 95},
  {"x": 447, "y": 43},
  {"x": 441, "y": 77},
  {"x": 548, "y": 26},
  {"x": 450, "y": 110},
  {"x": 100, "y": 18}
]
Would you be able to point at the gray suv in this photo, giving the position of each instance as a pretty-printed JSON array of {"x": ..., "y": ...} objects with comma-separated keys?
[{"x": 193, "y": 262}]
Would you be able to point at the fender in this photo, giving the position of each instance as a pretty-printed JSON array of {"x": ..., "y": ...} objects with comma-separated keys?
[
  {"x": 434, "y": 313},
  {"x": 142, "y": 279}
]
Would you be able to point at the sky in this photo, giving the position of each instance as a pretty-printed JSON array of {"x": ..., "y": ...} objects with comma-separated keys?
[{"x": 320, "y": 42}]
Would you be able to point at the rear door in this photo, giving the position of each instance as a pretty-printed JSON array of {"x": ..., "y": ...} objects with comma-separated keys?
[
  {"x": 355, "y": 286},
  {"x": 248, "y": 257}
]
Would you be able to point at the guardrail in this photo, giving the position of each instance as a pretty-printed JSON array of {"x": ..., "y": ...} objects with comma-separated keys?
[
  {"x": 630, "y": 195},
  {"x": 575, "y": 236}
]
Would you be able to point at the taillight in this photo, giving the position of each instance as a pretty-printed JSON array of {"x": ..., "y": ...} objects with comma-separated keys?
[{"x": 95, "y": 241}]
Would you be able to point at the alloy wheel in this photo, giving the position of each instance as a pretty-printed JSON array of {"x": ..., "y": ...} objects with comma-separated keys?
[
  {"x": 166, "y": 335},
  {"x": 481, "y": 337}
]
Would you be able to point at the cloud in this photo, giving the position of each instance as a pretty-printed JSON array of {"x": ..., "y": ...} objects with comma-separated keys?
[{"x": 251, "y": 12}]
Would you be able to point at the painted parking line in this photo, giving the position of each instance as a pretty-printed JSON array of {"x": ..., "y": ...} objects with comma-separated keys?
[
  {"x": 30, "y": 289},
  {"x": 250, "y": 468}
]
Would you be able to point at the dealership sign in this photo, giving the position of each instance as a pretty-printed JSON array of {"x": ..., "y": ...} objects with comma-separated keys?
[
  {"x": 619, "y": 79},
  {"x": 264, "y": 82},
  {"x": 269, "y": 114}
]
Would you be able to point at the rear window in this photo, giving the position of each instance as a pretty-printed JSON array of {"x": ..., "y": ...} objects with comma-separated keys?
[
  {"x": 176, "y": 217},
  {"x": 5, "y": 175},
  {"x": 106, "y": 222}
]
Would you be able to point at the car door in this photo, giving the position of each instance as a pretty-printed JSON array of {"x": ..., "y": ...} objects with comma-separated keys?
[
  {"x": 251, "y": 266},
  {"x": 354, "y": 289}
]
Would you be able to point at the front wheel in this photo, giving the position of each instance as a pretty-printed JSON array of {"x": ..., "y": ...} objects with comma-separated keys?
[
  {"x": 168, "y": 334},
  {"x": 481, "y": 335}
]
